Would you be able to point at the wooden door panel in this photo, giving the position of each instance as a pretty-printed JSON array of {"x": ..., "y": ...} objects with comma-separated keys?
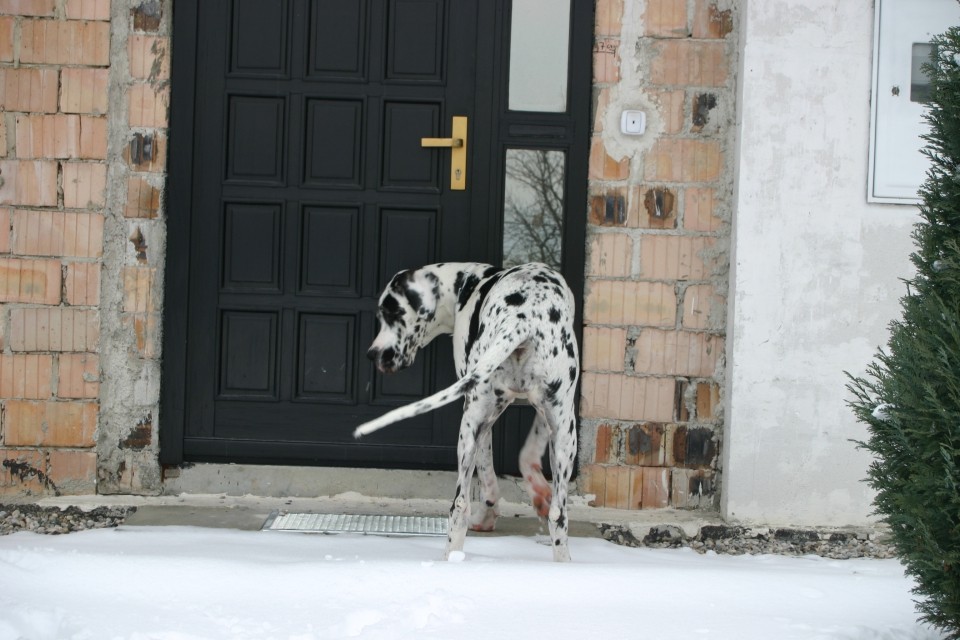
[
  {"x": 338, "y": 37},
  {"x": 326, "y": 358},
  {"x": 256, "y": 139},
  {"x": 415, "y": 40},
  {"x": 330, "y": 251},
  {"x": 334, "y": 143},
  {"x": 259, "y": 38},
  {"x": 251, "y": 247},
  {"x": 248, "y": 355},
  {"x": 407, "y": 165}
]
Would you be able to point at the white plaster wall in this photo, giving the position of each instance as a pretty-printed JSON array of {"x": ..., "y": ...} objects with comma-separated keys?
[{"x": 815, "y": 269}]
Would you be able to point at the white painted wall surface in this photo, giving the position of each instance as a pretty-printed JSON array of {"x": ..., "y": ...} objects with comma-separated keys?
[{"x": 815, "y": 268}]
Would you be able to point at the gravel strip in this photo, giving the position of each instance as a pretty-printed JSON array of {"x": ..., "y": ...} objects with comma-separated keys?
[
  {"x": 54, "y": 520},
  {"x": 733, "y": 540}
]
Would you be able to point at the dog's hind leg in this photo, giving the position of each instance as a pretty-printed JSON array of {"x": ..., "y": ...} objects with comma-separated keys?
[
  {"x": 531, "y": 467},
  {"x": 563, "y": 450},
  {"x": 485, "y": 517}
]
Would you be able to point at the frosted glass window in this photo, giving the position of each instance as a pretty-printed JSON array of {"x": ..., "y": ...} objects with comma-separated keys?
[
  {"x": 919, "y": 82},
  {"x": 539, "y": 51},
  {"x": 533, "y": 207}
]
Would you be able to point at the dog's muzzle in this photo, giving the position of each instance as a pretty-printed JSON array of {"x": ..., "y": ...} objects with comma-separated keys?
[{"x": 386, "y": 359}]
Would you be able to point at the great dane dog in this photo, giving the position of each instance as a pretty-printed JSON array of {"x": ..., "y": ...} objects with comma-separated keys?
[{"x": 512, "y": 338}]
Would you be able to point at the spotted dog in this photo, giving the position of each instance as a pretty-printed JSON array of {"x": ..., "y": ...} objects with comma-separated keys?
[{"x": 512, "y": 338}]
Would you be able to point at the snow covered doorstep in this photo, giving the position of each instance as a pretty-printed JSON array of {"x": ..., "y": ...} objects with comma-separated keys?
[{"x": 182, "y": 583}]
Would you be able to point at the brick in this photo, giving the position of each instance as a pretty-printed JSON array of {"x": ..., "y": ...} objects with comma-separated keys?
[
  {"x": 56, "y": 233},
  {"x": 143, "y": 199},
  {"x": 76, "y": 42},
  {"x": 4, "y": 230},
  {"x": 625, "y": 303},
  {"x": 656, "y": 488},
  {"x": 28, "y": 7},
  {"x": 148, "y": 105},
  {"x": 618, "y": 397},
  {"x": 694, "y": 447},
  {"x": 707, "y": 400},
  {"x": 84, "y": 90},
  {"x": 61, "y": 136},
  {"x": 88, "y": 9},
  {"x": 6, "y": 38},
  {"x": 671, "y": 104},
  {"x": 607, "y": 443},
  {"x": 611, "y": 255},
  {"x": 618, "y": 492},
  {"x": 138, "y": 290},
  {"x": 701, "y": 306},
  {"x": 78, "y": 375},
  {"x": 666, "y": 19},
  {"x": 700, "y": 209},
  {"x": 604, "y": 348},
  {"x": 146, "y": 330},
  {"x": 32, "y": 281},
  {"x": 601, "y": 104},
  {"x": 84, "y": 185},
  {"x": 146, "y": 152},
  {"x": 593, "y": 481},
  {"x": 606, "y": 61},
  {"x": 683, "y": 160},
  {"x": 609, "y": 17},
  {"x": 21, "y": 472},
  {"x": 49, "y": 424},
  {"x": 147, "y": 16},
  {"x": 73, "y": 472},
  {"x": 26, "y": 376},
  {"x": 678, "y": 353},
  {"x": 28, "y": 182},
  {"x": 83, "y": 284},
  {"x": 652, "y": 207},
  {"x": 3, "y": 137},
  {"x": 54, "y": 329},
  {"x": 691, "y": 488},
  {"x": 665, "y": 257},
  {"x": 686, "y": 62},
  {"x": 604, "y": 167},
  {"x": 645, "y": 445},
  {"x": 710, "y": 22},
  {"x": 29, "y": 89},
  {"x": 609, "y": 208},
  {"x": 149, "y": 57}
]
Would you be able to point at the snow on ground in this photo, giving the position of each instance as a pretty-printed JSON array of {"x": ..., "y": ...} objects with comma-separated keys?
[{"x": 183, "y": 583}]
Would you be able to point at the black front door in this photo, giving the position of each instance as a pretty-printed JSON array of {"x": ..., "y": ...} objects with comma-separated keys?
[{"x": 299, "y": 186}]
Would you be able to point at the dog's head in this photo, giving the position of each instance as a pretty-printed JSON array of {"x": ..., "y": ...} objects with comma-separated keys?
[{"x": 406, "y": 309}]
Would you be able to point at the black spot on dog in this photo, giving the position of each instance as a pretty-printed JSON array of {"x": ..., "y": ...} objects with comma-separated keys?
[
  {"x": 391, "y": 311},
  {"x": 466, "y": 289},
  {"x": 554, "y": 315},
  {"x": 515, "y": 299},
  {"x": 521, "y": 316},
  {"x": 569, "y": 347},
  {"x": 552, "y": 388},
  {"x": 473, "y": 331},
  {"x": 573, "y": 374}
]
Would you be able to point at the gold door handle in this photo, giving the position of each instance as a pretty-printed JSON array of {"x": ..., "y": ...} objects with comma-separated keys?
[{"x": 457, "y": 143}]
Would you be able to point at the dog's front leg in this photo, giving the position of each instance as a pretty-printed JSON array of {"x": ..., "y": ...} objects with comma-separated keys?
[{"x": 476, "y": 420}]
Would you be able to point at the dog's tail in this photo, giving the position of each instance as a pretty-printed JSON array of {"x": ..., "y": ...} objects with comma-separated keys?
[{"x": 491, "y": 359}]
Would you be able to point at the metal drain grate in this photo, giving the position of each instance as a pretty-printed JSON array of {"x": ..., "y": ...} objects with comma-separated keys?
[{"x": 368, "y": 524}]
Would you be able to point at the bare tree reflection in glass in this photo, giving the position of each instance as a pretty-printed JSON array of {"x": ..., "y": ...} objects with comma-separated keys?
[{"x": 533, "y": 207}]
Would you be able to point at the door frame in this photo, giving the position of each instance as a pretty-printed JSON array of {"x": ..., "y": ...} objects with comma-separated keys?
[{"x": 181, "y": 171}]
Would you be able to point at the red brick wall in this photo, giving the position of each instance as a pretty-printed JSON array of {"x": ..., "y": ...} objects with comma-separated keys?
[
  {"x": 65, "y": 278},
  {"x": 657, "y": 247},
  {"x": 53, "y": 151}
]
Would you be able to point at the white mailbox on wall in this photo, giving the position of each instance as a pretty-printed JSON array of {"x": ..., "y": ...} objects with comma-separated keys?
[{"x": 902, "y": 34}]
